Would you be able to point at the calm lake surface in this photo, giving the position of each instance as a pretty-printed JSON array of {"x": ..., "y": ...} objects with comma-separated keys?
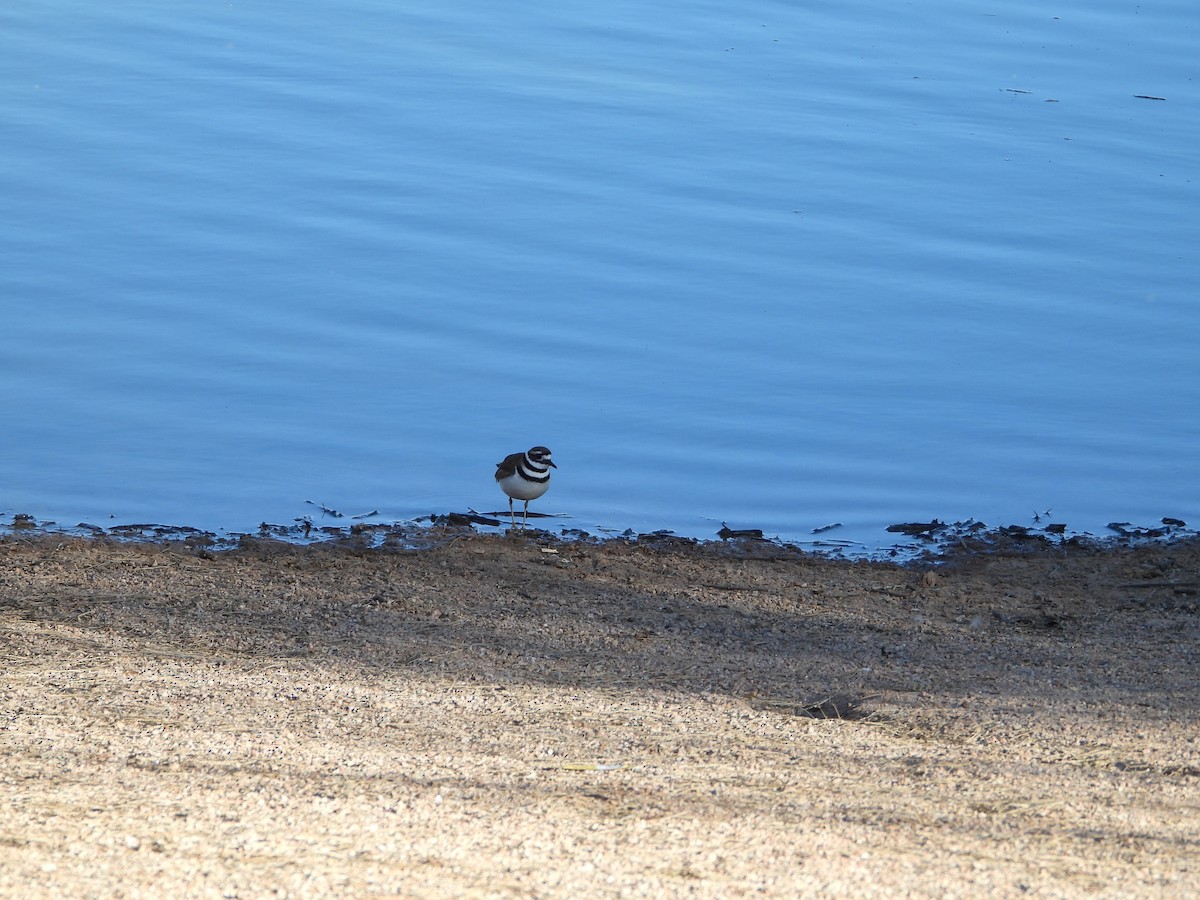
[{"x": 773, "y": 264}]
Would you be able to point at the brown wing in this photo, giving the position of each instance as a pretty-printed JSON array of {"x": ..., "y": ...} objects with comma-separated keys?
[{"x": 508, "y": 465}]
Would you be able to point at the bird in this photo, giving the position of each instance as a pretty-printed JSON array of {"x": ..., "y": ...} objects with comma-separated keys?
[{"x": 524, "y": 476}]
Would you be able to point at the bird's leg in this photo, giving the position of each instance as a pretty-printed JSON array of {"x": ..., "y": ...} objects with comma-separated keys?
[
  {"x": 512, "y": 514},
  {"x": 525, "y": 519}
]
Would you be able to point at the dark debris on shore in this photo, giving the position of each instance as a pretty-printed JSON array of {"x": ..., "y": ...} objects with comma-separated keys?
[{"x": 930, "y": 542}]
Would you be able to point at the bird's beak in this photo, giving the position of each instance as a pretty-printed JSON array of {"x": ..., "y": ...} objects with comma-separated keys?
[{"x": 552, "y": 465}]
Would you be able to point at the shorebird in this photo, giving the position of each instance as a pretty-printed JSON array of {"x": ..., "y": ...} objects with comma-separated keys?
[{"x": 524, "y": 476}]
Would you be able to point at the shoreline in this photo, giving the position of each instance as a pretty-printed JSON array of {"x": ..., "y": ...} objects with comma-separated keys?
[
  {"x": 505, "y": 716},
  {"x": 916, "y": 541}
]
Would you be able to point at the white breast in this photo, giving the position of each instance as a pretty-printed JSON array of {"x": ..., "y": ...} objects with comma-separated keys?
[{"x": 520, "y": 489}]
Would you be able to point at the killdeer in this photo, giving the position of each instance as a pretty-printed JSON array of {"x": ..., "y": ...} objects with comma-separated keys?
[{"x": 524, "y": 476}]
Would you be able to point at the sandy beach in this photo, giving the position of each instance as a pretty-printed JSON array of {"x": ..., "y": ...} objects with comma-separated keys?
[{"x": 515, "y": 716}]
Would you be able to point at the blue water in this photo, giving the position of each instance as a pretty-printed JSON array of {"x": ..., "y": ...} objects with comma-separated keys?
[{"x": 773, "y": 264}]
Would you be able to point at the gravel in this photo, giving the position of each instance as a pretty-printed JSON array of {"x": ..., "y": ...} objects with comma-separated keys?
[{"x": 514, "y": 716}]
